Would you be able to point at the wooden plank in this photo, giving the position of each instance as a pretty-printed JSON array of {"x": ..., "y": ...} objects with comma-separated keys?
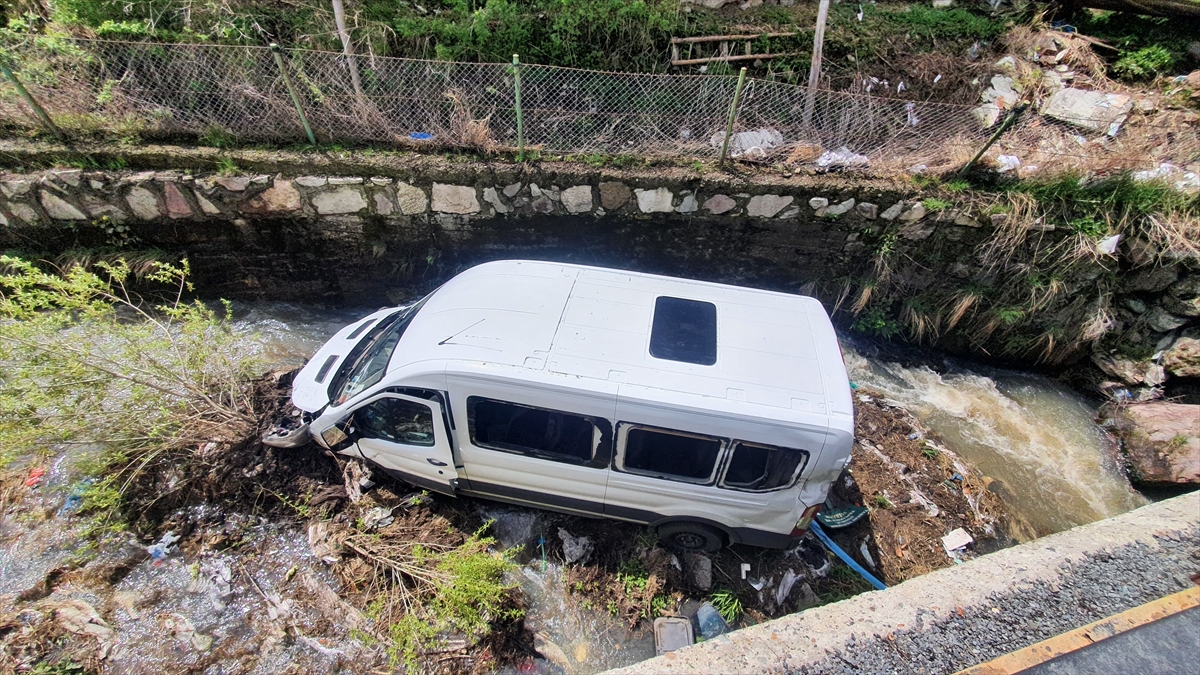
[
  {"x": 749, "y": 57},
  {"x": 719, "y": 38},
  {"x": 1022, "y": 659}
]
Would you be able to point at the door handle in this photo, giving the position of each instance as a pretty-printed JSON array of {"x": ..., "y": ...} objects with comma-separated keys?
[{"x": 434, "y": 461}]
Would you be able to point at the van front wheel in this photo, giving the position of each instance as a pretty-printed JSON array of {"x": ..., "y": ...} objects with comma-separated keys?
[{"x": 691, "y": 537}]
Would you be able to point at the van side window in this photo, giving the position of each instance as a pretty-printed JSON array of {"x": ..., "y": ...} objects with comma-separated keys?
[
  {"x": 763, "y": 467},
  {"x": 670, "y": 454},
  {"x": 396, "y": 420},
  {"x": 548, "y": 434}
]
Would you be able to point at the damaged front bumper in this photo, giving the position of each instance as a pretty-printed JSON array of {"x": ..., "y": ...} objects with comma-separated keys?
[{"x": 290, "y": 433}]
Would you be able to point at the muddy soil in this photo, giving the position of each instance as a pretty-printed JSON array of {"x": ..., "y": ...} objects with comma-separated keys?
[{"x": 270, "y": 571}]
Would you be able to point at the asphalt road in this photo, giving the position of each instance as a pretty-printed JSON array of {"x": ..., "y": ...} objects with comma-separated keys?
[{"x": 1165, "y": 647}]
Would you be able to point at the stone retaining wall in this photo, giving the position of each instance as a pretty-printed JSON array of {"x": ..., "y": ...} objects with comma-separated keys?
[{"x": 73, "y": 195}]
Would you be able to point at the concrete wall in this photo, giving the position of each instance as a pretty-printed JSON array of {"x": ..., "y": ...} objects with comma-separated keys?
[{"x": 960, "y": 616}]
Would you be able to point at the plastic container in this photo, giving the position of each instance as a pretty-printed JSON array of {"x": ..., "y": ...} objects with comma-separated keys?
[{"x": 711, "y": 622}]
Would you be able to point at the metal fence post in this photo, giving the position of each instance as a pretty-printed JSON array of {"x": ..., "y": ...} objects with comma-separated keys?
[
  {"x": 287, "y": 80},
  {"x": 37, "y": 108},
  {"x": 737, "y": 94},
  {"x": 517, "y": 98},
  {"x": 1009, "y": 120}
]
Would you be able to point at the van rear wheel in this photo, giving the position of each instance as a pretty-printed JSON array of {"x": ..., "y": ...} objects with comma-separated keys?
[{"x": 691, "y": 537}]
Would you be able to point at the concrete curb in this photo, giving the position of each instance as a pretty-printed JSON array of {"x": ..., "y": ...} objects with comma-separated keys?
[{"x": 794, "y": 641}]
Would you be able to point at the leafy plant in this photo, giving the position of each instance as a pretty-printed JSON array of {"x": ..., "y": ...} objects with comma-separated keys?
[
  {"x": 933, "y": 204},
  {"x": 86, "y": 360},
  {"x": 876, "y": 322},
  {"x": 930, "y": 452},
  {"x": 881, "y": 502},
  {"x": 1144, "y": 63},
  {"x": 727, "y": 604}
]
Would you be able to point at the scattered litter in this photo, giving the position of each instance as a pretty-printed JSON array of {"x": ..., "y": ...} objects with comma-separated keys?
[
  {"x": 711, "y": 622},
  {"x": 785, "y": 586},
  {"x": 671, "y": 633},
  {"x": 1108, "y": 245},
  {"x": 836, "y": 519},
  {"x": 937, "y": 79},
  {"x": 911, "y": 110},
  {"x": 179, "y": 627},
  {"x": 919, "y": 497},
  {"x": 357, "y": 476},
  {"x": 316, "y": 644},
  {"x": 162, "y": 549},
  {"x": 900, "y": 87},
  {"x": 914, "y": 435},
  {"x": 321, "y": 542},
  {"x": 957, "y": 540},
  {"x": 1008, "y": 162},
  {"x": 77, "y": 616},
  {"x": 752, "y": 143},
  {"x": 35, "y": 476},
  {"x": 860, "y": 13},
  {"x": 378, "y": 517},
  {"x": 756, "y": 584},
  {"x": 218, "y": 577},
  {"x": 1166, "y": 171},
  {"x": 866, "y": 554},
  {"x": 843, "y": 156},
  {"x": 421, "y": 136},
  {"x": 75, "y": 498},
  {"x": 745, "y": 569},
  {"x": 575, "y": 549},
  {"x": 1093, "y": 110}
]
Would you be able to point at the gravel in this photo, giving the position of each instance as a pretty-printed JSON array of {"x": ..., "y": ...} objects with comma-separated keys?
[{"x": 1106, "y": 584}]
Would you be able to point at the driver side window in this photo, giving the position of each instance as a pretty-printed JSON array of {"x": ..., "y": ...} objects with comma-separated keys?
[{"x": 396, "y": 420}]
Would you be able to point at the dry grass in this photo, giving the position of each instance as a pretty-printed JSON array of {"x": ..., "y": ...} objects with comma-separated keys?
[{"x": 468, "y": 131}]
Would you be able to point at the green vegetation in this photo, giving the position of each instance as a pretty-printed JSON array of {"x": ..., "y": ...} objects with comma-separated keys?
[
  {"x": 1146, "y": 46},
  {"x": 727, "y": 604},
  {"x": 86, "y": 360},
  {"x": 933, "y": 204},
  {"x": 621, "y": 35},
  {"x": 877, "y": 323},
  {"x": 881, "y": 502},
  {"x": 469, "y": 596},
  {"x": 930, "y": 452}
]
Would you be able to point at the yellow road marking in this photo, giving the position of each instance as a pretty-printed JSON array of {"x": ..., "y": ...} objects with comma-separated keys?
[{"x": 1081, "y": 637}]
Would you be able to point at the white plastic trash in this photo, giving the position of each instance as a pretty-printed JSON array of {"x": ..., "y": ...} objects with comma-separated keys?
[
  {"x": 957, "y": 540},
  {"x": 671, "y": 633}
]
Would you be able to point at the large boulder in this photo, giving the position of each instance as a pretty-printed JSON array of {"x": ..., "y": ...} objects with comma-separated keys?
[
  {"x": 1161, "y": 441},
  {"x": 1183, "y": 358}
]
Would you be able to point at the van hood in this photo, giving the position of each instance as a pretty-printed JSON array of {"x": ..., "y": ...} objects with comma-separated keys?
[{"x": 310, "y": 389}]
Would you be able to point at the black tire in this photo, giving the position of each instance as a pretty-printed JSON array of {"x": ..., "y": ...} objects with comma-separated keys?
[{"x": 691, "y": 537}]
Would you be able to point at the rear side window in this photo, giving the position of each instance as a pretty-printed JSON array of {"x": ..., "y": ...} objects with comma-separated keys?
[
  {"x": 763, "y": 467},
  {"x": 670, "y": 454},
  {"x": 548, "y": 434}
]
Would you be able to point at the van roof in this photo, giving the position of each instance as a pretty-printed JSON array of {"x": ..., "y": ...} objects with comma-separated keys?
[{"x": 772, "y": 349}]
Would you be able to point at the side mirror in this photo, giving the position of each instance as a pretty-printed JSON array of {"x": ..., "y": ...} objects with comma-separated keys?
[{"x": 340, "y": 433}]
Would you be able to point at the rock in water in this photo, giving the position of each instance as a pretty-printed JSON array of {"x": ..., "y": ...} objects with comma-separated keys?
[{"x": 1162, "y": 442}]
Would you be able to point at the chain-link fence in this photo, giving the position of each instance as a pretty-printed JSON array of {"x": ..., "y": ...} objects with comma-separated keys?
[{"x": 236, "y": 93}]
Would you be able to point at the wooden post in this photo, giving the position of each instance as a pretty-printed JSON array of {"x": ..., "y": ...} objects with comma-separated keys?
[
  {"x": 517, "y": 100},
  {"x": 37, "y": 108},
  {"x": 737, "y": 94},
  {"x": 814, "y": 72},
  {"x": 1009, "y": 120},
  {"x": 339, "y": 18},
  {"x": 287, "y": 81}
]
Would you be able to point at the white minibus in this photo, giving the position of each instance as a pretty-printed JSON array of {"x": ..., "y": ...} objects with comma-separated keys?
[{"x": 713, "y": 413}]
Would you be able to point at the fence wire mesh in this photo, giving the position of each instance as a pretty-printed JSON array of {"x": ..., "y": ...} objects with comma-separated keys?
[{"x": 160, "y": 91}]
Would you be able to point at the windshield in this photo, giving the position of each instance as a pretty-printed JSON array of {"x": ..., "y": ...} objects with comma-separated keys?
[{"x": 366, "y": 365}]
